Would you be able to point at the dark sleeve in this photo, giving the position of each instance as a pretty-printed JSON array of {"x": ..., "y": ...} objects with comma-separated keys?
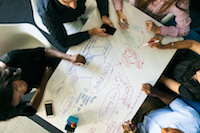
[
  {"x": 29, "y": 111},
  {"x": 24, "y": 109},
  {"x": 184, "y": 92},
  {"x": 103, "y": 7},
  {"x": 11, "y": 56},
  {"x": 58, "y": 31}
]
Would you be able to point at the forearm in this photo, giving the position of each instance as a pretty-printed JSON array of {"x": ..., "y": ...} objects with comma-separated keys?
[
  {"x": 103, "y": 7},
  {"x": 37, "y": 98},
  {"x": 59, "y": 33},
  {"x": 165, "y": 97},
  {"x": 119, "y": 12},
  {"x": 118, "y": 4},
  {"x": 56, "y": 54},
  {"x": 171, "y": 84},
  {"x": 70, "y": 40},
  {"x": 186, "y": 44}
]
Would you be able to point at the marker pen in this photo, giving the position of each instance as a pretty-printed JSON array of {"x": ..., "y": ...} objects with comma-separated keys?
[
  {"x": 145, "y": 44},
  {"x": 123, "y": 22}
]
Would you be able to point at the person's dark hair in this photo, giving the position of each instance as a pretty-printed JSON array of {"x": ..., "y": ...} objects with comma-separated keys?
[
  {"x": 183, "y": 74},
  {"x": 7, "y": 76},
  {"x": 142, "y": 4}
]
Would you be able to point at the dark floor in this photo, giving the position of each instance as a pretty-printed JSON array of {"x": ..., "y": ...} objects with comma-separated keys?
[{"x": 19, "y": 11}]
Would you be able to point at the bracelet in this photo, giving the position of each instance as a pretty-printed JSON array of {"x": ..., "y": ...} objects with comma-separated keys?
[{"x": 172, "y": 44}]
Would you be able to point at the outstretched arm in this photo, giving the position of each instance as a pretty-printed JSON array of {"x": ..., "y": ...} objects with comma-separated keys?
[
  {"x": 118, "y": 4},
  {"x": 76, "y": 59},
  {"x": 36, "y": 99},
  {"x": 164, "y": 97},
  {"x": 171, "y": 84},
  {"x": 186, "y": 44},
  {"x": 104, "y": 11}
]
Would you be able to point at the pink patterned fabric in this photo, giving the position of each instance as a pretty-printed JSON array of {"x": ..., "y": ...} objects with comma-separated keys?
[{"x": 182, "y": 18}]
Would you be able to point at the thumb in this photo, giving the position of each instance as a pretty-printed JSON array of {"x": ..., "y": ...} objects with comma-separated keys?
[{"x": 103, "y": 29}]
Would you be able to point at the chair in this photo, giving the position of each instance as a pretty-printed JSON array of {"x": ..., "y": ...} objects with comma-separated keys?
[
  {"x": 167, "y": 18},
  {"x": 21, "y": 36},
  {"x": 37, "y": 18}
]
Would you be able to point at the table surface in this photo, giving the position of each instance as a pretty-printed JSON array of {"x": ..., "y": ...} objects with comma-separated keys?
[{"x": 107, "y": 90}]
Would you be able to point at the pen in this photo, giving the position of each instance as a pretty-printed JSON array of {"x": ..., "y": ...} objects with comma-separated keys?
[
  {"x": 145, "y": 44},
  {"x": 123, "y": 22}
]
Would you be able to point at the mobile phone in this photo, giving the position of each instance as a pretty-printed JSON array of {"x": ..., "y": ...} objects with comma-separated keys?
[
  {"x": 109, "y": 30},
  {"x": 49, "y": 108}
]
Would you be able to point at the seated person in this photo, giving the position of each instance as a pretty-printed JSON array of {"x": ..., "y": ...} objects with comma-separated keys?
[
  {"x": 158, "y": 9},
  {"x": 56, "y": 12},
  {"x": 185, "y": 79},
  {"x": 176, "y": 117},
  {"x": 22, "y": 70}
]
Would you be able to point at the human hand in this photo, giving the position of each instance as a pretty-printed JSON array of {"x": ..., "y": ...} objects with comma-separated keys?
[
  {"x": 121, "y": 17},
  {"x": 149, "y": 90},
  {"x": 107, "y": 21},
  {"x": 126, "y": 126},
  {"x": 98, "y": 31},
  {"x": 150, "y": 26},
  {"x": 157, "y": 45},
  {"x": 78, "y": 59}
]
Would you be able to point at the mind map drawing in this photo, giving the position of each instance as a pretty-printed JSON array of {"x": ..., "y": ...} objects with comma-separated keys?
[
  {"x": 107, "y": 90},
  {"x": 98, "y": 78}
]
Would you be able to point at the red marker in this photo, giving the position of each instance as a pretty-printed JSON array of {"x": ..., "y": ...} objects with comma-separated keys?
[{"x": 156, "y": 41}]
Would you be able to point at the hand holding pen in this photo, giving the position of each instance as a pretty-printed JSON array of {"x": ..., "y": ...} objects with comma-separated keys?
[
  {"x": 122, "y": 20},
  {"x": 154, "y": 42}
]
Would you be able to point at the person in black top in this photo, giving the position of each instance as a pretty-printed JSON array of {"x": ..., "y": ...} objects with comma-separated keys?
[
  {"x": 56, "y": 12},
  {"x": 22, "y": 70},
  {"x": 183, "y": 74}
]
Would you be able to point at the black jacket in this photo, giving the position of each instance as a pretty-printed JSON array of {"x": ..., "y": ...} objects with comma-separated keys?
[{"x": 54, "y": 14}]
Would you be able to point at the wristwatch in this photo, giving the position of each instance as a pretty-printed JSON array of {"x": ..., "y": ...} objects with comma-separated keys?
[{"x": 172, "y": 44}]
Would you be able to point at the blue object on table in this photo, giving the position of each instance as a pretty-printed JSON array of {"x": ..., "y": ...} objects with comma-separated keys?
[
  {"x": 73, "y": 119},
  {"x": 71, "y": 124}
]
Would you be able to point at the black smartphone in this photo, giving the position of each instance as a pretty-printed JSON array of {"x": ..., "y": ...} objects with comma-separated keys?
[
  {"x": 49, "y": 108},
  {"x": 109, "y": 30}
]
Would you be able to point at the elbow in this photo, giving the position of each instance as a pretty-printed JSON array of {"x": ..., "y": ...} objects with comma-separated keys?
[{"x": 183, "y": 33}]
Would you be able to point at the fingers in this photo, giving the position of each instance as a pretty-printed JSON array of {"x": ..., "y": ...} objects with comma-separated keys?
[
  {"x": 80, "y": 60},
  {"x": 149, "y": 25},
  {"x": 110, "y": 24},
  {"x": 146, "y": 89},
  {"x": 126, "y": 127},
  {"x": 152, "y": 43},
  {"x": 100, "y": 32},
  {"x": 106, "y": 20},
  {"x": 152, "y": 40},
  {"x": 123, "y": 23}
]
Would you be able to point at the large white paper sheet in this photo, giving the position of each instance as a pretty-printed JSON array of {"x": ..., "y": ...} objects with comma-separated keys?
[{"x": 106, "y": 91}]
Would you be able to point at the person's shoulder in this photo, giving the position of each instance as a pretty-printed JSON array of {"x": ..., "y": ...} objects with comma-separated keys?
[{"x": 43, "y": 6}]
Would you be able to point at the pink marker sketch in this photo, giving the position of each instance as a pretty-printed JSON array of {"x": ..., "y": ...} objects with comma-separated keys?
[
  {"x": 108, "y": 106},
  {"x": 132, "y": 57}
]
